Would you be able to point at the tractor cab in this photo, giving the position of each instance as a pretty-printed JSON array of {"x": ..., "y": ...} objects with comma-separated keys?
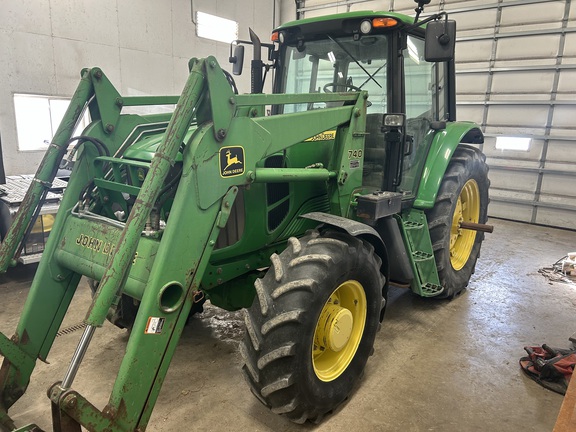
[
  {"x": 384, "y": 54},
  {"x": 405, "y": 67}
]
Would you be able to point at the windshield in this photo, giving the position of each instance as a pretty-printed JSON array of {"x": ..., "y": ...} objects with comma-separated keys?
[{"x": 337, "y": 65}]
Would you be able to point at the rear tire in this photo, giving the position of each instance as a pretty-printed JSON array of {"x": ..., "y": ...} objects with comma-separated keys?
[
  {"x": 312, "y": 327},
  {"x": 463, "y": 196}
]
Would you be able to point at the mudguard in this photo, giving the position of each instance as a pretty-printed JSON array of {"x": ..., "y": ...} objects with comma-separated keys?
[
  {"x": 443, "y": 147},
  {"x": 355, "y": 229}
]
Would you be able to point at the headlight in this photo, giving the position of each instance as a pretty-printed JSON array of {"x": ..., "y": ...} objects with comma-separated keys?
[
  {"x": 365, "y": 26},
  {"x": 393, "y": 120}
]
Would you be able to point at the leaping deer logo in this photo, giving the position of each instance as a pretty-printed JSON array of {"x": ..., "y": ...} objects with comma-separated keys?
[{"x": 231, "y": 160}]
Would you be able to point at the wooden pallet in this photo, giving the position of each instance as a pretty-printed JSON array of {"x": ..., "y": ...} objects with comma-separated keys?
[{"x": 566, "y": 421}]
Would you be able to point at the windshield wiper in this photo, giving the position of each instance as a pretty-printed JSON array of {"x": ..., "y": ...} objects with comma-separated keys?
[{"x": 370, "y": 77}]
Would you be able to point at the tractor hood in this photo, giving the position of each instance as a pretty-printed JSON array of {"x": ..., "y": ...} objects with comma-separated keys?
[{"x": 146, "y": 145}]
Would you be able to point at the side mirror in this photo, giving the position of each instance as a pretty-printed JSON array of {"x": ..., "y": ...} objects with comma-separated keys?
[
  {"x": 440, "y": 40},
  {"x": 237, "y": 60}
]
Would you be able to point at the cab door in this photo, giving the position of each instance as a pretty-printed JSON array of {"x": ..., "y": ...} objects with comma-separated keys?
[{"x": 425, "y": 99}]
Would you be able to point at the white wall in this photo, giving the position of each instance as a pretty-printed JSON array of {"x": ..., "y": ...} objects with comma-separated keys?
[
  {"x": 143, "y": 46},
  {"x": 287, "y": 11}
]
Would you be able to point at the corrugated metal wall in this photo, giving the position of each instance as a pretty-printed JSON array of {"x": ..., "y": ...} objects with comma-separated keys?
[{"x": 516, "y": 76}]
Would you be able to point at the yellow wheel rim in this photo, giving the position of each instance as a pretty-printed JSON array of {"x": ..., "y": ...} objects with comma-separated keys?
[
  {"x": 339, "y": 330},
  {"x": 467, "y": 210}
]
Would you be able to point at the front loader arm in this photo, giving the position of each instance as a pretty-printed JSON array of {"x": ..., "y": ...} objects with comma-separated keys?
[
  {"x": 45, "y": 174},
  {"x": 220, "y": 155}
]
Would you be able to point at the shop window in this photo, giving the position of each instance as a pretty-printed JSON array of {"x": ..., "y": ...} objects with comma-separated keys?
[
  {"x": 38, "y": 118},
  {"x": 512, "y": 143}
]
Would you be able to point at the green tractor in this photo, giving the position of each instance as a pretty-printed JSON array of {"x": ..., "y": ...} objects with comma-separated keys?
[{"x": 301, "y": 206}]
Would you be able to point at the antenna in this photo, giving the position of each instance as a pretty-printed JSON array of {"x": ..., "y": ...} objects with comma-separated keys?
[{"x": 420, "y": 8}]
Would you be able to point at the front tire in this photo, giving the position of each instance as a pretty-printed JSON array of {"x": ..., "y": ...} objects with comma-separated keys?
[
  {"x": 312, "y": 327},
  {"x": 463, "y": 196}
]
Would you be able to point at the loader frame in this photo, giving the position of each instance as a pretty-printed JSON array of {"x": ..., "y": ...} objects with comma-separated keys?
[{"x": 170, "y": 284}]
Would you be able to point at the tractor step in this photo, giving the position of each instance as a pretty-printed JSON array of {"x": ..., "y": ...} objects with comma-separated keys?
[
  {"x": 411, "y": 225},
  {"x": 431, "y": 290},
  {"x": 420, "y": 256},
  {"x": 417, "y": 241}
]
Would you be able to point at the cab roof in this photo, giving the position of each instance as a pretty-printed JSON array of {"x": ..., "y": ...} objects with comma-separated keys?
[{"x": 347, "y": 16}]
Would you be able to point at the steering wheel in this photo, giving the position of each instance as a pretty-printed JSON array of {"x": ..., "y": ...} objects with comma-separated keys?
[{"x": 346, "y": 86}]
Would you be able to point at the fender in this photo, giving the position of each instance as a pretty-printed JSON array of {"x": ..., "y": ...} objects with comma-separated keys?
[
  {"x": 443, "y": 147},
  {"x": 355, "y": 229}
]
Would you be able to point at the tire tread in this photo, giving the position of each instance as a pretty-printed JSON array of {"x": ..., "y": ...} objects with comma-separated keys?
[
  {"x": 275, "y": 322},
  {"x": 467, "y": 162}
]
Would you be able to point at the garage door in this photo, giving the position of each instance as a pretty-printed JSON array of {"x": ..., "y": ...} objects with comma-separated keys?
[{"x": 516, "y": 77}]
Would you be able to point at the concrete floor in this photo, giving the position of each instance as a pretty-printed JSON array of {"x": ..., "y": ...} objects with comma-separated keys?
[{"x": 438, "y": 365}]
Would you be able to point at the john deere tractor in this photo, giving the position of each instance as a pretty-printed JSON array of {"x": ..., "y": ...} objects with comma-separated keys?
[{"x": 302, "y": 206}]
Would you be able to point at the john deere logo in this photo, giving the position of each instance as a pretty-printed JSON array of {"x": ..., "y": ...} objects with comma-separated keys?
[{"x": 231, "y": 161}]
